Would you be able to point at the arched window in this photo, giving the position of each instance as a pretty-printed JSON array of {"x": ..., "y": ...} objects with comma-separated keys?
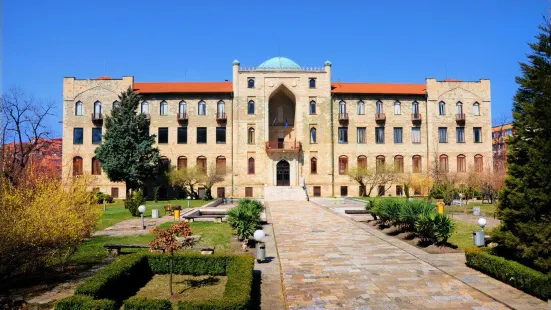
[
  {"x": 164, "y": 108},
  {"x": 77, "y": 165},
  {"x": 251, "y": 166},
  {"x": 380, "y": 163},
  {"x": 399, "y": 163},
  {"x": 165, "y": 164},
  {"x": 476, "y": 109},
  {"x": 461, "y": 163},
  {"x": 220, "y": 165},
  {"x": 442, "y": 108},
  {"x": 362, "y": 162},
  {"x": 397, "y": 108},
  {"x": 182, "y": 162},
  {"x": 116, "y": 104},
  {"x": 97, "y": 109},
  {"x": 478, "y": 163},
  {"x": 443, "y": 163},
  {"x": 379, "y": 107},
  {"x": 312, "y": 107},
  {"x": 459, "y": 108},
  {"x": 78, "y": 108},
  {"x": 415, "y": 109},
  {"x": 250, "y": 137},
  {"x": 312, "y": 83},
  {"x": 416, "y": 163},
  {"x": 201, "y": 108},
  {"x": 313, "y": 135},
  {"x": 250, "y": 83},
  {"x": 202, "y": 163},
  {"x": 182, "y": 109},
  {"x": 221, "y": 109},
  {"x": 343, "y": 164},
  {"x": 250, "y": 107},
  {"x": 361, "y": 108},
  {"x": 145, "y": 107},
  {"x": 313, "y": 165},
  {"x": 342, "y": 109},
  {"x": 96, "y": 167}
]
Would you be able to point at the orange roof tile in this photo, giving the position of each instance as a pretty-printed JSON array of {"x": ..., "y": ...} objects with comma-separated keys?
[
  {"x": 183, "y": 87},
  {"x": 379, "y": 88},
  {"x": 451, "y": 80},
  {"x": 104, "y": 77}
]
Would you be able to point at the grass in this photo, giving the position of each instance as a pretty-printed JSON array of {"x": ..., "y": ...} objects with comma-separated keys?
[
  {"x": 485, "y": 209},
  {"x": 212, "y": 234},
  {"x": 186, "y": 287},
  {"x": 463, "y": 235}
]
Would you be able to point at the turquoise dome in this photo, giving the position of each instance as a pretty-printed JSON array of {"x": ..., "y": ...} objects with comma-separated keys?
[{"x": 279, "y": 63}]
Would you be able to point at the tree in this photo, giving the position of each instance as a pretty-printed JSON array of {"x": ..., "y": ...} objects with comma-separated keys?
[
  {"x": 210, "y": 178},
  {"x": 359, "y": 175},
  {"x": 525, "y": 202},
  {"x": 385, "y": 175},
  {"x": 186, "y": 179},
  {"x": 127, "y": 153}
]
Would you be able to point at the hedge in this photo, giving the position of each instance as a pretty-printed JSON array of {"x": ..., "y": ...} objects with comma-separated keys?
[
  {"x": 214, "y": 265},
  {"x": 83, "y": 302},
  {"x": 513, "y": 273},
  {"x": 136, "y": 303}
]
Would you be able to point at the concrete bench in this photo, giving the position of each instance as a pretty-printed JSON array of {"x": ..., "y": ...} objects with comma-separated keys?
[
  {"x": 115, "y": 249},
  {"x": 191, "y": 218},
  {"x": 357, "y": 212}
]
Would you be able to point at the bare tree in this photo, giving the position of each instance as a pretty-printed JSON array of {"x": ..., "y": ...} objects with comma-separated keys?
[
  {"x": 359, "y": 175},
  {"x": 384, "y": 175},
  {"x": 24, "y": 129},
  {"x": 186, "y": 178},
  {"x": 210, "y": 178}
]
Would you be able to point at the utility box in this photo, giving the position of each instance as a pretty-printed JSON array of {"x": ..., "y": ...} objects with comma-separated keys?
[
  {"x": 260, "y": 251},
  {"x": 478, "y": 238},
  {"x": 155, "y": 213},
  {"x": 476, "y": 211}
]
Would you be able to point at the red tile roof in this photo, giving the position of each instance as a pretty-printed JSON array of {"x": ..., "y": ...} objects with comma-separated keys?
[
  {"x": 183, "y": 87},
  {"x": 451, "y": 80},
  {"x": 379, "y": 88},
  {"x": 104, "y": 77}
]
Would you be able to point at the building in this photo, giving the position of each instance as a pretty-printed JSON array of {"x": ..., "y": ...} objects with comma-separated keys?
[
  {"x": 277, "y": 123},
  {"x": 500, "y": 133}
]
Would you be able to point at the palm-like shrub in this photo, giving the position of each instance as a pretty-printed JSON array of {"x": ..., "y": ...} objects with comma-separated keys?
[
  {"x": 410, "y": 213},
  {"x": 424, "y": 226},
  {"x": 391, "y": 209},
  {"x": 245, "y": 217},
  {"x": 444, "y": 227},
  {"x": 374, "y": 207}
]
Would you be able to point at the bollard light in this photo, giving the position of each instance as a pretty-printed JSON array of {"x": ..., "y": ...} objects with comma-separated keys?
[
  {"x": 141, "y": 209},
  {"x": 482, "y": 222},
  {"x": 259, "y": 235}
]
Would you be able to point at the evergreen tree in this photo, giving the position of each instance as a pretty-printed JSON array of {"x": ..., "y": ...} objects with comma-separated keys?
[
  {"x": 525, "y": 204},
  {"x": 126, "y": 153}
]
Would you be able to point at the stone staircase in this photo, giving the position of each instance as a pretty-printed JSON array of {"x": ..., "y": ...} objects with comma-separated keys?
[{"x": 285, "y": 193}]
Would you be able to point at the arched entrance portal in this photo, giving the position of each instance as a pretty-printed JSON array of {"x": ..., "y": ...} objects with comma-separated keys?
[{"x": 283, "y": 172}]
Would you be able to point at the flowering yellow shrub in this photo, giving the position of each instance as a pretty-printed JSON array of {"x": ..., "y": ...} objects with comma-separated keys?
[{"x": 42, "y": 219}]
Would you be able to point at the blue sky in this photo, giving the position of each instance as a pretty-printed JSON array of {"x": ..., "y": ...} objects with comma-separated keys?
[{"x": 368, "y": 41}]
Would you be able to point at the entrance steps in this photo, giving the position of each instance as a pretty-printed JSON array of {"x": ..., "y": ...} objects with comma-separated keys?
[{"x": 285, "y": 193}]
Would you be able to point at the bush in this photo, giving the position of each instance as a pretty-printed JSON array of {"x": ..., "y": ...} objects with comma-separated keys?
[
  {"x": 134, "y": 202},
  {"x": 82, "y": 302},
  {"x": 245, "y": 217},
  {"x": 410, "y": 213},
  {"x": 102, "y": 197},
  {"x": 444, "y": 227},
  {"x": 136, "y": 303},
  {"x": 517, "y": 275},
  {"x": 389, "y": 210}
]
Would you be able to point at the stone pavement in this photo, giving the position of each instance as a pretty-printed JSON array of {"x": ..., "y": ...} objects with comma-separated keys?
[
  {"x": 330, "y": 261},
  {"x": 132, "y": 227}
]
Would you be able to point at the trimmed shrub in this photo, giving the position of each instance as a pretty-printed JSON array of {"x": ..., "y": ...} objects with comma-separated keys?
[
  {"x": 83, "y": 302},
  {"x": 515, "y": 274},
  {"x": 194, "y": 264},
  {"x": 136, "y": 303},
  {"x": 134, "y": 202}
]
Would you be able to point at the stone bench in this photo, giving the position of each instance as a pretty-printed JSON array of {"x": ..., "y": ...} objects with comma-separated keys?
[
  {"x": 115, "y": 249},
  {"x": 191, "y": 218},
  {"x": 357, "y": 212}
]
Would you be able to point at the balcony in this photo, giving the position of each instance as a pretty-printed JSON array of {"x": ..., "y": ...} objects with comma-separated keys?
[
  {"x": 460, "y": 118},
  {"x": 221, "y": 117},
  {"x": 380, "y": 117},
  {"x": 343, "y": 117},
  {"x": 416, "y": 117},
  {"x": 182, "y": 117},
  {"x": 283, "y": 147},
  {"x": 97, "y": 117}
]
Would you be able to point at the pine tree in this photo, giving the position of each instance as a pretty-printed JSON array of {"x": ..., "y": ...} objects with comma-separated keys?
[
  {"x": 126, "y": 153},
  {"x": 525, "y": 202}
]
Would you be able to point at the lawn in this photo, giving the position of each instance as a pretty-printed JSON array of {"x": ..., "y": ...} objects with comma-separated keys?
[
  {"x": 463, "y": 235},
  {"x": 185, "y": 287}
]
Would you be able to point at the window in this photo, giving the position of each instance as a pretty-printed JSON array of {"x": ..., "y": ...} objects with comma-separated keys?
[
  {"x": 379, "y": 107},
  {"x": 201, "y": 135},
  {"x": 361, "y": 135},
  {"x": 182, "y": 135},
  {"x": 342, "y": 109},
  {"x": 461, "y": 163},
  {"x": 416, "y": 162},
  {"x": 220, "y": 192},
  {"x": 459, "y": 108},
  {"x": 397, "y": 108},
  {"x": 443, "y": 163},
  {"x": 78, "y": 108},
  {"x": 248, "y": 191},
  {"x": 478, "y": 163},
  {"x": 509, "y": 132},
  {"x": 116, "y": 104},
  {"x": 78, "y": 135},
  {"x": 221, "y": 109},
  {"x": 476, "y": 109},
  {"x": 399, "y": 190},
  {"x": 362, "y": 162},
  {"x": 163, "y": 135},
  {"x": 460, "y": 134},
  {"x": 380, "y": 163},
  {"x": 115, "y": 192},
  {"x": 182, "y": 108},
  {"x": 312, "y": 107},
  {"x": 250, "y": 137},
  {"x": 477, "y": 133},
  {"x": 313, "y": 135},
  {"x": 97, "y": 109},
  {"x": 361, "y": 108},
  {"x": 96, "y": 167},
  {"x": 182, "y": 162},
  {"x": 201, "y": 108},
  {"x": 220, "y": 165},
  {"x": 415, "y": 109},
  {"x": 442, "y": 108},
  {"x": 317, "y": 191},
  {"x": 250, "y": 107},
  {"x": 251, "y": 166},
  {"x": 312, "y": 83},
  {"x": 397, "y": 134},
  {"x": 381, "y": 190},
  {"x": 202, "y": 163},
  {"x": 415, "y": 135},
  {"x": 313, "y": 165},
  {"x": 250, "y": 83},
  {"x": 380, "y": 135},
  {"x": 96, "y": 135},
  {"x": 343, "y": 134},
  {"x": 164, "y": 108},
  {"x": 443, "y": 134},
  {"x": 220, "y": 135},
  {"x": 145, "y": 107},
  {"x": 399, "y": 163},
  {"x": 77, "y": 165},
  {"x": 344, "y": 191},
  {"x": 343, "y": 164}
]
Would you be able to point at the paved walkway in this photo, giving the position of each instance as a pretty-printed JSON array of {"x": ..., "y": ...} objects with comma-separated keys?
[
  {"x": 330, "y": 261},
  {"x": 132, "y": 227}
]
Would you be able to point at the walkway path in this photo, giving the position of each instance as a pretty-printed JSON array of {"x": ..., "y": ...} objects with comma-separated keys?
[{"x": 329, "y": 261}]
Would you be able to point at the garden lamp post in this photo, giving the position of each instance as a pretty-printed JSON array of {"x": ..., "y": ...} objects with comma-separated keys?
[
  {"x": 482, "y": 223},
  {"x": 141, "y": 209},
  {"x": 478, "y": 236},
  {"x": 461, "y": 201},
  {"x": 188, "y": 198},
  {"x": 259, "y": 236}
]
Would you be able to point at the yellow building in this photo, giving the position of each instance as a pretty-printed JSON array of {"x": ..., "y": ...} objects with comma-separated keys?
[{"x": 279, "y": 126}]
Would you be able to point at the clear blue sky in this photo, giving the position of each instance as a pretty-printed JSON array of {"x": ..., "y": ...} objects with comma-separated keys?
[{"x": 368, "y": 41}]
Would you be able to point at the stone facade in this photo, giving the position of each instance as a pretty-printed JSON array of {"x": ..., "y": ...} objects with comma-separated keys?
[{"x": 289, "y": 102}]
